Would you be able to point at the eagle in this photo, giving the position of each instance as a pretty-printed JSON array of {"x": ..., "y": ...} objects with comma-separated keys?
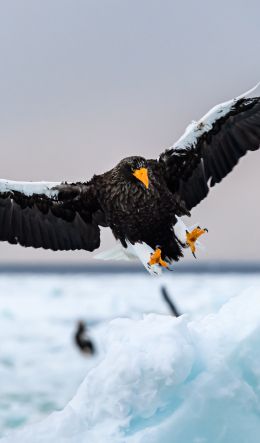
[{"x": 141, "y": 200}]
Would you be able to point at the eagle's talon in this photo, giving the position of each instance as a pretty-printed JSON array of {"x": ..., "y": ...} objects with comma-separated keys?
[
  {"x": 156, "y": 259},
  {"x": 192, "y": 237}
]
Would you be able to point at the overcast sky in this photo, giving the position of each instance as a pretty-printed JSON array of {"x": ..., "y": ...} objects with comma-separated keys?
[{"x": 85, "y": 83}]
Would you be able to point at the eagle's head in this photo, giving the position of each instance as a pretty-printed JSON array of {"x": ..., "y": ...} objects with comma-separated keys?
[{"x": 135, "y": 169}]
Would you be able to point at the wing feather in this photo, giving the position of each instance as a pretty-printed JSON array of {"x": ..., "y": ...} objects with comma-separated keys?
[
  {"x": 56, "y": 216},
  {"x": 210, "y": 148}
]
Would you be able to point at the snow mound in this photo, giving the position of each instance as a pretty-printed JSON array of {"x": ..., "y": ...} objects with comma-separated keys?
[{"x": 162, "y": 379}]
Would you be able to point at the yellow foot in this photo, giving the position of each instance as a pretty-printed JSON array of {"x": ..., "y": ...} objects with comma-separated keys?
[
  {"x": 156, "y": 259},
  {"x": 192, "y": 237}
]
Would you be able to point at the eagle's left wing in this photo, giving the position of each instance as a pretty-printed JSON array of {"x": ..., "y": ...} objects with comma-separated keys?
[{"x": 211, "y": 147}]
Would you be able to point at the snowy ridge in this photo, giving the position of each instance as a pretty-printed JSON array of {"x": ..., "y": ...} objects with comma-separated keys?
[
  {"x": 30, "y": 188},
  {"x": 168, "y": 380}
]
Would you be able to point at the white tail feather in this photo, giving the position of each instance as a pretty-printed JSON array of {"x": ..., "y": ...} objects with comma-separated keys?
[
  {"x": 116, "y": 253},
  {"x": 139, "y": 251}
]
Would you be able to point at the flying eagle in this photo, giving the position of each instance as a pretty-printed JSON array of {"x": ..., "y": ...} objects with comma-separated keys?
[{"x": 140, "y": 200}]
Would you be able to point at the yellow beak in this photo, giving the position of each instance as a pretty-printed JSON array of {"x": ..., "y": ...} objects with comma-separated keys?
[{"x": 142, "y": 175}]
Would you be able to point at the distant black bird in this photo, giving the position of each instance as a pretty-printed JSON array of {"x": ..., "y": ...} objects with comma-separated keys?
[
  {"x": 140, "y": 200},
  {"x": 169, "y": 302},
  {"x": 81, "y": 340}
]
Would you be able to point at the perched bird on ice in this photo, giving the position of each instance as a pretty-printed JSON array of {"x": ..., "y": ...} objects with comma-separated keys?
[
  {"x": 140, "y": 200},
  {"x": 82, "y": 341}
]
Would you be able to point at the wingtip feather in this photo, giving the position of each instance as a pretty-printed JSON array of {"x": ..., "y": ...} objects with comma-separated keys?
[{"x": 249, "y": 92}]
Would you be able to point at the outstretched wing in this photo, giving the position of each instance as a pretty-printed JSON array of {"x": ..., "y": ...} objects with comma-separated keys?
[
  {"x": 57, "y": 216},
  {"x": 211, "y": 147}
]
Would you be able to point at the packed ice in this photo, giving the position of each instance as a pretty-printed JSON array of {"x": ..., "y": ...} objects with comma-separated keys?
[{"x": 157, "y": 378}]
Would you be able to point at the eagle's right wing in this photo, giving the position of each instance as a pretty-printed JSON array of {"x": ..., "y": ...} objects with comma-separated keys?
[{"x": 57, "y": 216}]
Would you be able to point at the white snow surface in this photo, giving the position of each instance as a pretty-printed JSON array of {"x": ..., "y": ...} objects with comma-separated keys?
[{"x": 195, "y": 379}]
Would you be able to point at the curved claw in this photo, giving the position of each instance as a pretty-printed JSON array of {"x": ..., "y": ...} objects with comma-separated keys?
[
  {"x": 156, "y": 259},
  {"x": 192, "y": 237}
]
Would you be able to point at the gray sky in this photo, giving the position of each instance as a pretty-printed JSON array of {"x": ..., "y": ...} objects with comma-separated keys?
[{"x": 85, "y": 83}]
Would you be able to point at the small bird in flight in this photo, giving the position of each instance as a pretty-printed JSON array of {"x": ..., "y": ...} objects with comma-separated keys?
[{"x": 140, "y": 200}]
